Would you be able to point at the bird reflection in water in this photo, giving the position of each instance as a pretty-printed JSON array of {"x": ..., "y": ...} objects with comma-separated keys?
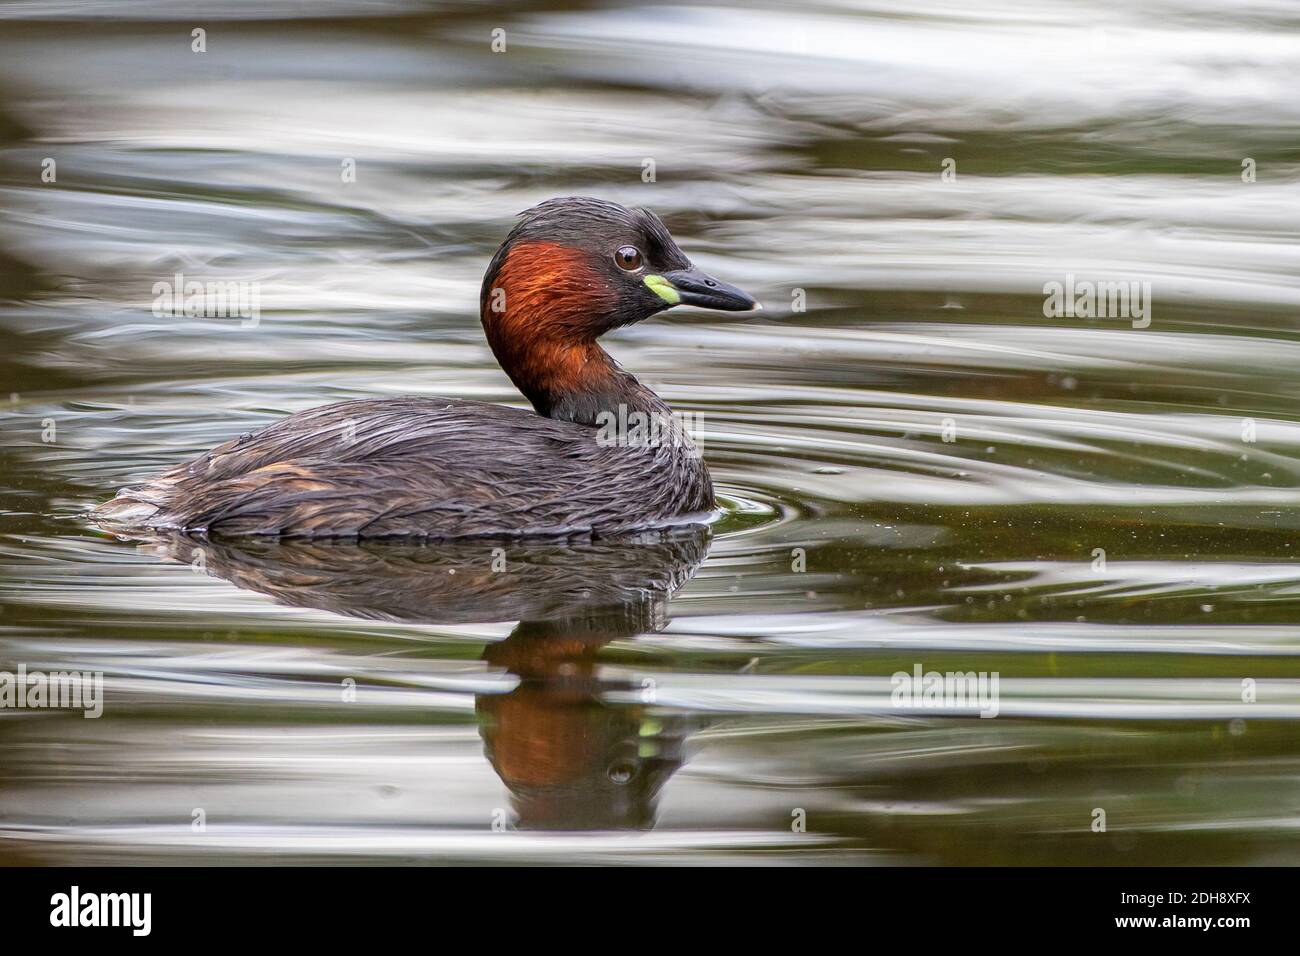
[{"x": 571, "y": 757}]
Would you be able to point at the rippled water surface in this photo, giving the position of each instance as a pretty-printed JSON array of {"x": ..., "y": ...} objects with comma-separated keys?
[{"x": 919, "y": 468}]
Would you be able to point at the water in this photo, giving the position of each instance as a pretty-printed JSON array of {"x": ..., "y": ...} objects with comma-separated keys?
[{"x": 918, "y": 469}]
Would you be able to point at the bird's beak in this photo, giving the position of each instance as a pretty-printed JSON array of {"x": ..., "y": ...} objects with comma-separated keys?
[{"x": 693, "y": 287}]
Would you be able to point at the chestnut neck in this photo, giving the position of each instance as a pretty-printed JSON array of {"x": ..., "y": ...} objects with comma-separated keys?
[
  {"x": 540, "y": 309},
  {"x": 582, "y": 382}
]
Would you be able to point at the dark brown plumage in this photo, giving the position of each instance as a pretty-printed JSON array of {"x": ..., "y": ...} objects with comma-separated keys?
[{"x": 447, "y": 468}]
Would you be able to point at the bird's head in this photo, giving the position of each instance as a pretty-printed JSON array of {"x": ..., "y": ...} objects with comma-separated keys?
[{"x": 571, "y": 270}]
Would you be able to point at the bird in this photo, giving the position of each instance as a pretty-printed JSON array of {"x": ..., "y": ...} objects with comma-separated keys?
[{"x": 598, "y": 454}]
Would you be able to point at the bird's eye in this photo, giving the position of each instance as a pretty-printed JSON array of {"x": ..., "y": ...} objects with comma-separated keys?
[
  {"x": 628, "y": 257},
  {"x": 622, "y": 772}
]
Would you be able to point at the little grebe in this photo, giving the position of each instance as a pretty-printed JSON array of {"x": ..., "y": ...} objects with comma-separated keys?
[{"x": 570, "y": 270}]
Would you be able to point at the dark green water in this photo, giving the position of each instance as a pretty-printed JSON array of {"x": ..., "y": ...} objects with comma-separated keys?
[{"x": 920, "y": 468}]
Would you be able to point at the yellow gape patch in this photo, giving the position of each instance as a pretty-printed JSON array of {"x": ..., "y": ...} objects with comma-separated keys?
[{"x": 663, "y": 288}]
